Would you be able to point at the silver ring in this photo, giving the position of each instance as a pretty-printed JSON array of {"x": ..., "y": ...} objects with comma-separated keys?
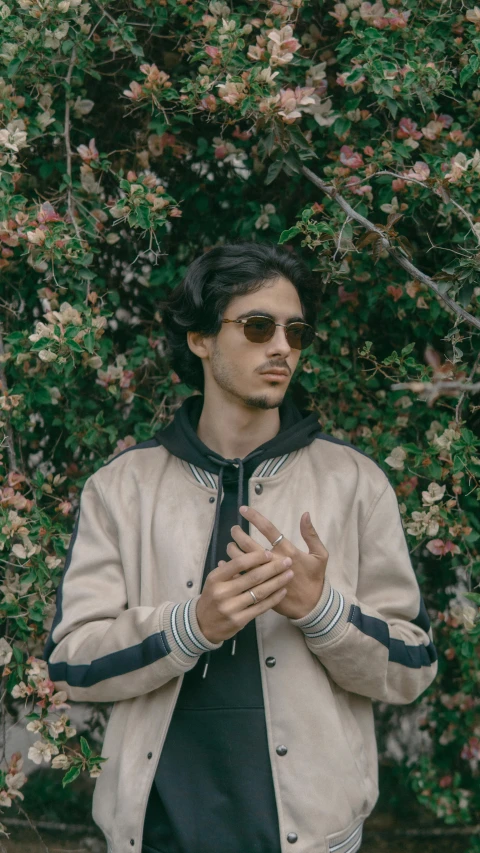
[
  {"x": 279, "y": 539},
  {"x": 253, "y": 596}
]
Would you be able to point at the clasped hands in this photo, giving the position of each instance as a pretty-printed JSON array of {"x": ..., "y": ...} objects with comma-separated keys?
[{"x": 305, "y": 587}]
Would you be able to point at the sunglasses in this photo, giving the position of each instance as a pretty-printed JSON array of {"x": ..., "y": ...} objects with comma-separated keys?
[{"x": 261, "y": 329}]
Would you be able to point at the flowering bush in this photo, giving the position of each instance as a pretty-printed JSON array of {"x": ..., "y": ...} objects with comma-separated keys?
[{"x": 135, "y": 135}]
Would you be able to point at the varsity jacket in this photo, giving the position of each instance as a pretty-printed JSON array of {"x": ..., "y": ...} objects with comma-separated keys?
[{"x": 125, "y": 628}]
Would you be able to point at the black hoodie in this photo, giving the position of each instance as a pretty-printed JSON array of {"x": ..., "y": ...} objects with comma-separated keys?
[{"x": 213, "y": 789}]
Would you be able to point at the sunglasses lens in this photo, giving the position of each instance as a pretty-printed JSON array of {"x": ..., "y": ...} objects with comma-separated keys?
[
  {"x": 299, "y": 336},
  {"x": 259, "y": 329}
]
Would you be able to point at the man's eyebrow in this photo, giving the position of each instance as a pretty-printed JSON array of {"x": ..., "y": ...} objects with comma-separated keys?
[{"x": 258, "y": 311}]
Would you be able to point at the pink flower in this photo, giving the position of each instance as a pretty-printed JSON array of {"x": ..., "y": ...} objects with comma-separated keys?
[
  {"x": 395, "y": 292},
  {"x": 343, "y": 80},
  {"x": 445, "y": 119},
  {"x": 368, "y": 151},
  {"x": 47, "y": 213},
  {"x": 88, "y": 153},
  {"x": 45, "y": 687},
  {"x": 372, "y": 12},
  {"x": 350, "y": 158},
  {"x": 355, "y": 185},
  {"x": 282, "y": 45},
  {"x": 209, "y": 103},
  {"x": 135, "y": 92},
  {"x": 220, "y": 152},
  {"x": 397, "y": 20},
  {"x": 408, "y": 128},
  {"x": 420, "y": 171},
  {"x": 340, "y": 13},
  {"x": 471, "y": 750},
  {"x": 457, "y": 136},
  {"x": 241, "y": 134},
  {"x": 212, "y": 51},
  {"x": 291, "y": 101},
  {"x": 398, "y": 184},
  {"x": 433, "y": 130},
  {"x": 440, "y": 548},
  {"x": 347, "y": 296}
]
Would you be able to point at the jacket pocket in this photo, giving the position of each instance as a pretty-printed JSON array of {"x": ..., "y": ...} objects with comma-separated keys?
[{"x": 348, "y": 840}]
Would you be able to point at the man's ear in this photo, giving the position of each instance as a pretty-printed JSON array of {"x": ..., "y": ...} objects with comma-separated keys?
[{"x": 198, "y": 343}]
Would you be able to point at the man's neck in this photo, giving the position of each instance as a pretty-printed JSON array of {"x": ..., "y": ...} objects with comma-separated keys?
[{"x": 233, "y": 430}]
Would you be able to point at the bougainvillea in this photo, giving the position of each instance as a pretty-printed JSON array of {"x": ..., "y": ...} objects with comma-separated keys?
[{"x": 135, "y": 135}]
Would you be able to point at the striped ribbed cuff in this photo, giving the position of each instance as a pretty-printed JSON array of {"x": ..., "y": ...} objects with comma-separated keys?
[
  {"x": 328, "y": 618},
  {"x": 183, "y": 631}
]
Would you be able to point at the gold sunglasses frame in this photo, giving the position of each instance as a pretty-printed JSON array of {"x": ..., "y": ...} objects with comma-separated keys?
[{"x": 245, "y": 320}]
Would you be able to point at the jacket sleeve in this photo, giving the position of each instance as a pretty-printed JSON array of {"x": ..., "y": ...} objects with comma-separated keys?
[
  {"x": 99, "y": 649},
  {"x": 379, "y": 642}
]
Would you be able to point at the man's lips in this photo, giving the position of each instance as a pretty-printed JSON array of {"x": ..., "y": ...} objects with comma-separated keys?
[{"x": 275, "y": 373}]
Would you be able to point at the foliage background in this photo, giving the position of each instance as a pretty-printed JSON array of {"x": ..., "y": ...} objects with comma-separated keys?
[{"x": 135, "y": 135}]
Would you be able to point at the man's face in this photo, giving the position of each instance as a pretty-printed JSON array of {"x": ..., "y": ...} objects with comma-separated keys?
[{"x": 238, "y": 365}]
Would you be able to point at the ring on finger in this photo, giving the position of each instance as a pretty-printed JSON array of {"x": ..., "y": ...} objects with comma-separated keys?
[{"x": 255, "y": 599}]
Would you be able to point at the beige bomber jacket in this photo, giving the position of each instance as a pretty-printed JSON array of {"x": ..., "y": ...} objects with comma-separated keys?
[{"x": 125, "y": 631}]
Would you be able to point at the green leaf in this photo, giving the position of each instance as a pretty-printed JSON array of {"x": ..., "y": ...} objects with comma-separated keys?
[
  {"x": 470, "y": 69},
  {"x": 137, "y": 50},
  {"x": 392, "y": 106},
  {"x": 143, "y": 217},
  {"x": 288, "y": 234},
  {"x": 299, "y": 139},
  {"x": 341, "y": 126},
  {"x": 70, "y": 776},
  {"x": 89, "y": 342},
  {"x": 274, "y": 170},
  {"x": 86, "y": 751},
  {"x": 267, "y": 143},
  {"x": 17, "y": 654},
  {"x": 202, "y": 145},
  {"x": 67, "y": 46}
]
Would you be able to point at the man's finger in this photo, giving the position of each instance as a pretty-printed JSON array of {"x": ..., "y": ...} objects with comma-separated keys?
[
  {"x": 243, "y": 540},
  {"x": 261, "y": 523},
  {"x": 244, "y": 562},
  {"x": 234, "y": 551}
]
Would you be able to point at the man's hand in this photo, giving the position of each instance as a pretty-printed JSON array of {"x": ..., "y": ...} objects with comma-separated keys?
[
  {"x": 306, "y": 586},
  {"x": 225, "y": 605}
]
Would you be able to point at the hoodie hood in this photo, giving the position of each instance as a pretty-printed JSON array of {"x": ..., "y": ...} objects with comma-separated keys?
[{"x": 297, "y": 429}]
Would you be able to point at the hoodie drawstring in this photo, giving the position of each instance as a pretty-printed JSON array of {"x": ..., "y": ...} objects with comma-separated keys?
[{"x": 223, "y": 464}]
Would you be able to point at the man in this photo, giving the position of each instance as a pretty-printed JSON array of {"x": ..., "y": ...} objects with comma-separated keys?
[{"x": 242, "y": 535}]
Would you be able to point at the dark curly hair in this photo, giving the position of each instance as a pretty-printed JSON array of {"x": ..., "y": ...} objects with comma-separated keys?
[{"x": 199, "y": 301}]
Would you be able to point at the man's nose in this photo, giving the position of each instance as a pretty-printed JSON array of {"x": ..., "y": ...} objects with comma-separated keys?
[{"x": 279, "y": 342}]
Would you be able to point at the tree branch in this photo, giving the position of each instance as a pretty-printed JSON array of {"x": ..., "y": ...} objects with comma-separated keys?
[
  {"x": 458, "y": 410},
  {"x": 407, "y": 265},
  {"x": 431, "y": 390},
  {"x": 12, "y": 461},
  {"x": 68, "y": 147},
  {"x": 436, "y": 192}
]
